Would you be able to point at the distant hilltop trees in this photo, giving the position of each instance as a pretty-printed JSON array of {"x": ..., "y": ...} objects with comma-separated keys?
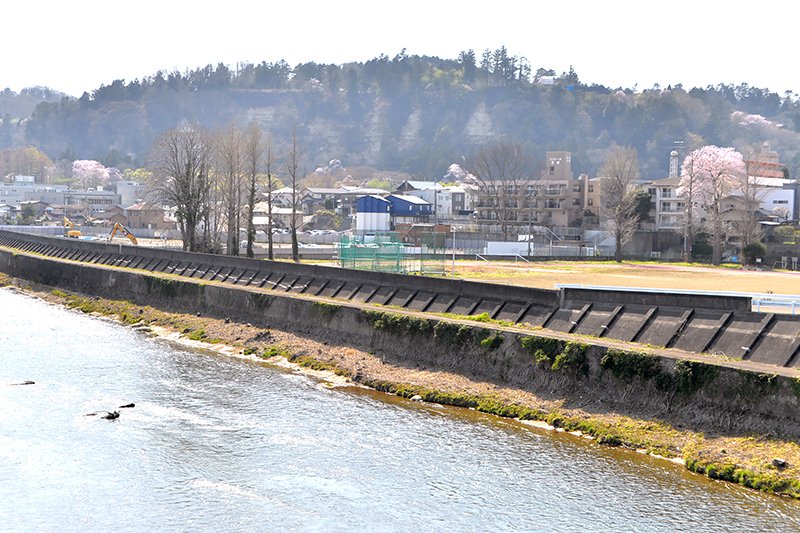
[{"x": 409, "y": 113}]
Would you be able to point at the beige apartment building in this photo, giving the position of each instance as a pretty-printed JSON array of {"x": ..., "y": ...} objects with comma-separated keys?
[{"x": 555, "y": 199}]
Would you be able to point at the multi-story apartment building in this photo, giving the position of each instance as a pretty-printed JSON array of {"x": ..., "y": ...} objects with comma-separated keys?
[{"x": 555, "y": 199}]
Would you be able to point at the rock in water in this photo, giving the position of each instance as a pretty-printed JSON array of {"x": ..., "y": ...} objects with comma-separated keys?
[{"x": 112, "y": 415}]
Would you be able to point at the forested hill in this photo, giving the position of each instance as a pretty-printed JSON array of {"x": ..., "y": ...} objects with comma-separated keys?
[{"x": 415, "y": 114}]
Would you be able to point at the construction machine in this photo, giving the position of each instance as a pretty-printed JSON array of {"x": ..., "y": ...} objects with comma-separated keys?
[
  {"x": 119, "y": 227},
  {"x": 69, "y": 229}
]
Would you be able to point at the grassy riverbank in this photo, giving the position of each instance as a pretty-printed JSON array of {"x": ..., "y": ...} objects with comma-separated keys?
[{"x": 747, "y": 460}]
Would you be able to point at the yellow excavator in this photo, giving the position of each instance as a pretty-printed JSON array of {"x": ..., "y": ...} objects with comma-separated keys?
[
  {"x": 69, "y": 229},
  {"x": 119, "y": 227}
]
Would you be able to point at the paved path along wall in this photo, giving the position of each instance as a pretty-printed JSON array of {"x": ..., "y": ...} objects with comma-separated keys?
[{"x": 695, "y": 323}]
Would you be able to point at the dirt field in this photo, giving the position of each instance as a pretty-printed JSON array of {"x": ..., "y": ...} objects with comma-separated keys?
[{"x": 644, "y": 275}]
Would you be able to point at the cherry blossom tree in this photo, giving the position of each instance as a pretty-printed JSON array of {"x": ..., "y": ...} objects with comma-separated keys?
[
  {"x": 89, "y": 173},
  {"x": 708, "y": 175}
]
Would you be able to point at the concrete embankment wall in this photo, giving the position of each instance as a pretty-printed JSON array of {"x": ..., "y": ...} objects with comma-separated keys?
[
  {"x": 692, "y": 322},
  {"x": 592, "y": 377}
]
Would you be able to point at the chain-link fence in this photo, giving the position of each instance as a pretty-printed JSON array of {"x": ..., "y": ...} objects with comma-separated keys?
[{"x": 423, "y": 253}]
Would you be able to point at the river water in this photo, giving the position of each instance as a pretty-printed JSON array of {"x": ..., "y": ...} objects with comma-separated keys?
[{"x": 216, "y": 443}]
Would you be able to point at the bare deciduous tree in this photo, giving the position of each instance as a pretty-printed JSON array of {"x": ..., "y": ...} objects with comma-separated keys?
[
  {"x": 253, "y": 153},
  {"x": 181, "y": 178},
  {"x": 230, "y": 181},
  {"x": 292, "y": 170},
  {"x": 503, "y": 173},
  {"x": 270, "y": 189},
  {"x": 618, "y": 198}
]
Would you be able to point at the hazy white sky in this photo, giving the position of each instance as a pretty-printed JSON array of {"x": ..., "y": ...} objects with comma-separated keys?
[{"x": 77, "y": 46}]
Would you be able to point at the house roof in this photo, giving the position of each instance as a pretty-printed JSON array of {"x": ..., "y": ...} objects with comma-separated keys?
[
  {"x": 366, "y": 191},
  {"x": 410, "y": 199},
  {"x": 376, "y": 197},
  {"x": 325, "y": 190},
  {"x": 761, "y": 181},
  {"x": 419, "y": 185},
  {"x": 665, "y": 182},
  {"x": 144, "y": 206}
]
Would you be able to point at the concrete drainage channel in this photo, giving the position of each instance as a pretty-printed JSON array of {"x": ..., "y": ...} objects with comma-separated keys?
[{"x": 699, "y": 323}]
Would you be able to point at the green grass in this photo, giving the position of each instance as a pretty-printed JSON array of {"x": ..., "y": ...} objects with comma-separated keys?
[
  {"x": 766, "y": 482},
  {"x": 276, "y": 350}
]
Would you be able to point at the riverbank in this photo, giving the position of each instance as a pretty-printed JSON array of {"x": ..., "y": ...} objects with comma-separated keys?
[{"x": 748, "y": 460}]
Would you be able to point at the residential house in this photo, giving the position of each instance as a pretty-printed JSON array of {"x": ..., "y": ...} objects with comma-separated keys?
[
  {"x": 146, "y": 216},
  {"x": 112, "y": 215},
  {"x": 281, "y": 216},
  {"x": 282, "y": 197},
  {"x": 347, "y": 201},
  {"x": 450, "y": 203},
  {"x": 313, "y": 199},
  {"x": 8, "y": 213},
  {"x": 35, "y": 208}
]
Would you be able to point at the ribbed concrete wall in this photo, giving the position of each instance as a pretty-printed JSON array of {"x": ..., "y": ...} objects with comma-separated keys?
[{"x": 695, "y": 323}]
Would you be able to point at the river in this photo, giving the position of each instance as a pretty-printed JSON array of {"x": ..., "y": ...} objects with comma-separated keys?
[{"x": 218, "y": 443}]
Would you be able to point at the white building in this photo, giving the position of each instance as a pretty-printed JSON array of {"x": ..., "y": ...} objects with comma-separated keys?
[
  {"x": 372, "y": 214},
  {"x": 130, "y": 192}
]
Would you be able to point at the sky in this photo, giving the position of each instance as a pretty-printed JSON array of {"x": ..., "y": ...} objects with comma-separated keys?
[{"x": 75, "y": 47}]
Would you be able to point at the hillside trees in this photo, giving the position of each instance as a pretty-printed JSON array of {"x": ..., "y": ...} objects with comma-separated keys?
[
  {"x": 619, "y": 200},
  {"x": 25, "y": 161},
  {"x": 412, "y": 113}
]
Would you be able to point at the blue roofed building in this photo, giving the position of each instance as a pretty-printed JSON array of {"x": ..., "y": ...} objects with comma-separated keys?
[
  {"x": 373, "y": 214},
  {"x": 407, "y": 209}
]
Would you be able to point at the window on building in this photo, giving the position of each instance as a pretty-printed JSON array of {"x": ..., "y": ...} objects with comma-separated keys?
[{"x": 590, "y": 202}]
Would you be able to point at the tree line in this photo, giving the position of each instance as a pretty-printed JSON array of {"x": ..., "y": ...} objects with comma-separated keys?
[
  {"x": 413, "y": 114},
  {"x": 214, "y": 179}
]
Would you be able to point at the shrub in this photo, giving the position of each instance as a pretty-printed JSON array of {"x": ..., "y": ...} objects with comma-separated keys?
[
  {"x": 492, "y": 342},
  {"x": 572, "y": 356},
  {"x": 543, "y": 349},
  {"x": 627, "y": 365},
  {"x": 753, "y": 251},
  {"x": 690, "y": 376}
]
